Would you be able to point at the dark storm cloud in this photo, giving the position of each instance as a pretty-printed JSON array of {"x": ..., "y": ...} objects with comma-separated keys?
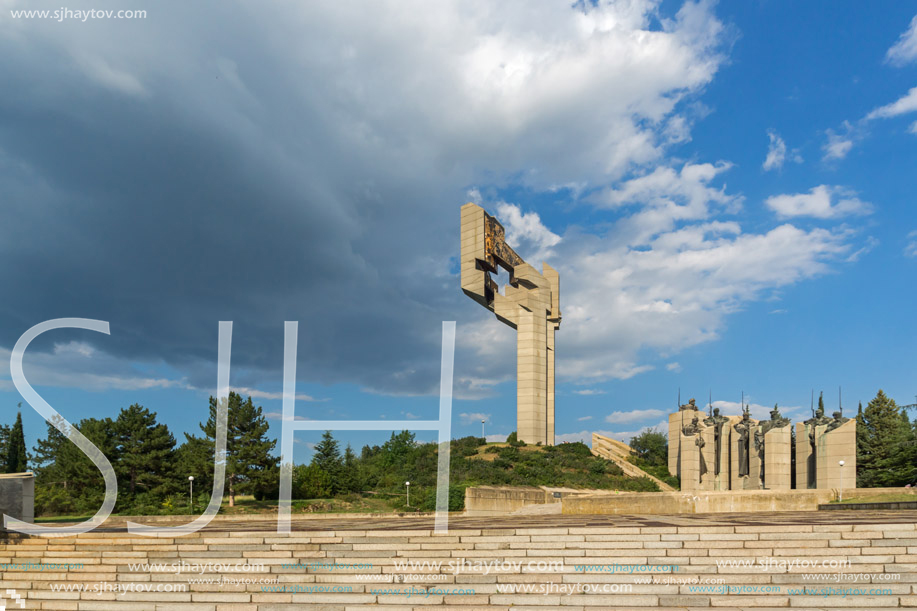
[{"x": 136, "y": 210}]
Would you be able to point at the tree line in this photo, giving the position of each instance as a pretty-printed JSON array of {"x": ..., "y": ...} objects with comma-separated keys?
[{"x": 152, "y": 469}]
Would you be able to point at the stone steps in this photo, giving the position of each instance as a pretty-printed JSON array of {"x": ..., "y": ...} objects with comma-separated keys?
[{"x": 543, "y": 565}]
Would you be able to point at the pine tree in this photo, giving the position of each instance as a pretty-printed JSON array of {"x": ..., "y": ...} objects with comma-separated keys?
[
  {"x": 861, "y": 446},
  {"x": 250, "y": 467},
  {"x": 195, "y": 458},
  {"x": 16, "y": 460},
  {"x": 886, "y": 444},
  {"x": 47, "y": 451},
  {"x": 350, "y": 473},
  {"x": 146, "y": 449},
  {"x": 327, "y": 457},
  {"x": 76, "y": 472}
]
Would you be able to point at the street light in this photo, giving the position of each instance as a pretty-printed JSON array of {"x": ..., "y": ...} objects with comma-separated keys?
[
  {"x": 191, "y": 492},
  {"x": 840, "y": 495},
  {"x": 482, "y": 429},
  {"x": 408, "y": 487}
]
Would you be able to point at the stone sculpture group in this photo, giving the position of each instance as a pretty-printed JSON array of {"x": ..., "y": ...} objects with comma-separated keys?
[{"x": 739, "y": 453}]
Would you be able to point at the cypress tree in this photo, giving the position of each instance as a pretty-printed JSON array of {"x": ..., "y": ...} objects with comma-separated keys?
[
  {"x": 16, "y": 460},
  {"x": 4, "y": 446}
]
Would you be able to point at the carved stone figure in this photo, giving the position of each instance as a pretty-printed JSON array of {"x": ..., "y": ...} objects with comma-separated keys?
[
  {"x": 817, "y": 419},
  {"x": 837, "y": 421},
  {"x": 700, "y": 443},
  {"x": 744, "y": 430},
  {"x": 690, "y": 405},
  {"x": 776, "y": 422},
  {"x": 717, "y": 421},
  {"x": 693, "y": 428}
]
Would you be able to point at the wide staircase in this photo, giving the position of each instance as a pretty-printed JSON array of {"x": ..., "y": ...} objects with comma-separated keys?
[{"x": 847, "y": 560}]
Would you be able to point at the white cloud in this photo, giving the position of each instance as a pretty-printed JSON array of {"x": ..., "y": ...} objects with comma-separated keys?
[
  {"x": 78, "y": 365},
  {"x": 776, "y": 152},
  {"x": 625, "y": 436},
  {"x": 913, "y": 128},
  {"x": 758, "y": 411},
  {"x": 254, "y": 393},
  {"x": 584, "y": 418},
  {"x": 839, "y": 144},
  {"x": 103, "y": 73},
  {"x": 675, "y": 291},
  {"x": 633, "y": 416},
  {"x": 676, "y": 367},
  {"x": 279, "y": 416},
  {"x": 903, "y": 105},
  {"x": 526, "y": 233},
  {"x": 584, "y": 436},
  {"x": 474, "y": 418},
  {"x": 818, "y": 203},
  {"x": 871, "y": 242},
  {"x": 911, "y": 249},
  {"x": 588, "y": 392},
  {"x": 496, "y": 438},
  {"x": 905, "y": 50}
]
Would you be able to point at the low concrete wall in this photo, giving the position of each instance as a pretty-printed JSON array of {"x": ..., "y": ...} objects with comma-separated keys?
[
  {"x": 503, "y": 500},
  {"x": 17, "y": 496},
  {"x": 500, "y": 500},
  {"x": 732, "y": 501}
]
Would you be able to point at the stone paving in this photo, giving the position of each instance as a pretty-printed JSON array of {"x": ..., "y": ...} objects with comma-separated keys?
[
  {"x": 812, "y": 561},
  {"x": 459, "y": 522}
]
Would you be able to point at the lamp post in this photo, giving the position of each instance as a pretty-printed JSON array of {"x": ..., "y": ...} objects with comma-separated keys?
[
  {"x": 408, "y": 489},
  {"x": 191, "y": 492},
  {"x": 482, "y": 429},
  {"x": 840, "y": 496}
]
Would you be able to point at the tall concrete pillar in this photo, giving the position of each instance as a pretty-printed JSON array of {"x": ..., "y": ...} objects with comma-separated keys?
[{"x": 530, "y": 304}]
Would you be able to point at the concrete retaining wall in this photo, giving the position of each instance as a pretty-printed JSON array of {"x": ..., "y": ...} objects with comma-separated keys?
[
  {"x": 17, "y": 496},
  {"x": 731, "y": 501},
  {"x": 502, "y": 500}
]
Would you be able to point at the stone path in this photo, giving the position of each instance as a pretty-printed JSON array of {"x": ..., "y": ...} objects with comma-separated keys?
[{"x": 459, "y": 522}]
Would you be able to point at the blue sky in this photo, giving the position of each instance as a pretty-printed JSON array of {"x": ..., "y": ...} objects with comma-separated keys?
[{"x": 726, "y": 190}]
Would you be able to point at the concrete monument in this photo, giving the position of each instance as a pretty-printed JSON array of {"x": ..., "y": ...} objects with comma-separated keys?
[
  {"x": 530, "y": 304},
  {"x": 740, "y": 453}
]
